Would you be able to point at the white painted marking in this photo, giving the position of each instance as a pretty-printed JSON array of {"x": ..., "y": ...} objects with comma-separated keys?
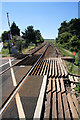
[
  {"x": 38, "y": 110},
  {"x": 22, "y": 66},
  {"x": 12, "y": 74},
  {"x": 17, "y": 97},
  {"x": 1, "y": 111},
  {"x": 19, "y": 106},
  {"x": 6, "y": 63}
]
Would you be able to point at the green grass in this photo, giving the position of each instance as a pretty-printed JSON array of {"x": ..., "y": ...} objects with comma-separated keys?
[
  {"x": 68, "y": 53},
  {"x": 74, "y": 69},
  {"x": 50, "y": 40},
  {"x": 27, "y": 49},
  {"x": 64, "y": 51},
  {"x": 5, "y": 52}
]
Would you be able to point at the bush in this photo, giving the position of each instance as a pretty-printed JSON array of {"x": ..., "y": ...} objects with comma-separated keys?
[
  {"x": 5, "y": 45},
  {"x": 19, "y": 45}
]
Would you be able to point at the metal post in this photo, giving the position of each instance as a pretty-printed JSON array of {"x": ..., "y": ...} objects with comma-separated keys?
[{"x": 9, "y": 34}]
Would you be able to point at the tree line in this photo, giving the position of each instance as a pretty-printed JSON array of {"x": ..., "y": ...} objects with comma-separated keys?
[
  {"x": 69, "y": 35},
  {"x": 30, "y": 35}
]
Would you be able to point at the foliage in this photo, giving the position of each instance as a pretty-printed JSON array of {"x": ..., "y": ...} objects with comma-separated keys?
[
  {"x": 77, "y": 88},
  {"x": 14, "y": 40},
  {"x": 5, "y": 36},
  {"x": 69, "y": 35},
  {"x": 79, "y": 58},
  {"x": 14, "y": 29},
  {"x": 5, "y": 45},
  {"x": 19, "y": 44},
  {"x": 4, "y": 51},
  {"x": 32, "y": 36}
]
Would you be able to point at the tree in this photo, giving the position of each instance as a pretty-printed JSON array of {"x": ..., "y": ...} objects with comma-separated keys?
[
  {"x": 5, "y": 36},
  {"x": 32, "y": 36},
  {"x": 15, "y": 30},
  {"x": 63, "y": 28},
  {"x": 29, "y": 35},
  {"x": 39, "y": 38},
  {"x": 69, "y": 34},
  {"x": 74, "y": 43}
]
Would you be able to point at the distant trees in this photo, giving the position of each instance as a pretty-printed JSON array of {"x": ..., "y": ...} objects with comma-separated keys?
[
  {"x": 69, "y": 35},
  {"x": 32, "y": 36}
]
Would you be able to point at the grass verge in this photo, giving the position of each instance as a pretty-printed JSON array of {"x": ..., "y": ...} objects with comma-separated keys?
[
  {"x": 5, "y": 52},
  {"x": 28, "y": 49},
  {"x": 67, "y": 53}
]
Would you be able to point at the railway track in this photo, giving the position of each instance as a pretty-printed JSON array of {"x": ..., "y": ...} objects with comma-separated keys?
[
  {"x": 53, "y": 95},
  {"x": 23, "y": 59},
  {"x": 21, "y": 62}
]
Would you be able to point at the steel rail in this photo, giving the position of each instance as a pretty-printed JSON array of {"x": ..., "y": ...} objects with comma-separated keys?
[
  {"x": 21, "y": 60},
  {"x": 38, "y": 49},
  {"x": 19, "y": 85},
  {"x": 7, "y": 63},
  {"x": 12, "y": 65}
]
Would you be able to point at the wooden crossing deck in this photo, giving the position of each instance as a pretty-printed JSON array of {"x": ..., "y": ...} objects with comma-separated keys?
[
  {"x": 51, "y": 67},
  {"x": 59, "y": 102}
]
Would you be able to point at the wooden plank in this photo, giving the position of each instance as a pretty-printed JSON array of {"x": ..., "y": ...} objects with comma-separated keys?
[
  {"x": 48, "y": 102},
  {"x": 38, "y": 110},
  {"x": 60, "y": 108},
  {"x": 54, "y": 109},
  {"x": 35, "y": 73},
  {"x": 55, "y": 69},
  {"x": 54, "y": 85},
  {"x": 40, "y": 68},
  {"x": 66, "y": 108},
  {"x": 53, "y": 73},
  {"x": 59, "y": 72},
  {"x": 58, "y": 86},
  {"x": 49, "y": 85},
  {"x": 76, "y": 103},
  {"x": 44, "y": 72},
  {"x": 47, "y": 106},
  {"x": 72, "y": 107},
  {"x": 62, "y": 72},
  {"x": 41, "y": 73},
  {"x": 65, "y": 71},
  {"x": 62, "y": 85},
  {"x": 65, "y": 103},
  {"x": 50, "y": 71},
  {"x": 47, "y": 68},
  {"x": 35, "y": 69}
]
